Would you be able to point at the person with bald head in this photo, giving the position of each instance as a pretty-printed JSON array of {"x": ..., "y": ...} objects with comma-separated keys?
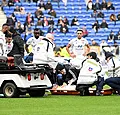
[
  {"x": 44, "y": 50},
  {"x": 44, "y": 54}
]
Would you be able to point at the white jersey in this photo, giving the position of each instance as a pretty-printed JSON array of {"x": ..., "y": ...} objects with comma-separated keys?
[
  {"x": 33, "y": 42},
  {"x": 77, "y": 46},
  {"x": 2, "y": 42},
  {"x": 8, "y": 48},
  {"x": 44, "y": 53}
]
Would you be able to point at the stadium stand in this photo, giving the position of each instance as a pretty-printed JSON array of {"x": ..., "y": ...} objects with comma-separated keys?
[{"x": 74, "y": 8}]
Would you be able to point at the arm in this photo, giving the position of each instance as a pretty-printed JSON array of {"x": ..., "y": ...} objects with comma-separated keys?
[
  {"x": 86, "y": 49},
  {"x": 71, "y": 54},
  {"x": 114, "y": 69},
  {"x": 26, "y": 48},
  {"x": 20, "y": 43}
]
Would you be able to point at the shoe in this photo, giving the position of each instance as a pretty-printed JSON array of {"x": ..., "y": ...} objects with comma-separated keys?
[
  {"x": 118, "y": 92},
  {"x": 98, "y": 93}
]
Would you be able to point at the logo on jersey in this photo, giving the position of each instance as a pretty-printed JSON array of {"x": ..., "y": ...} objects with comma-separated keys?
[
  {"x": 90, "y": 69},
  {"x": 79, "y": 47}
]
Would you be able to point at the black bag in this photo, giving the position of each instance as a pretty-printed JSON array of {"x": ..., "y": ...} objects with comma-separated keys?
[{"x": 3, "y": 63}]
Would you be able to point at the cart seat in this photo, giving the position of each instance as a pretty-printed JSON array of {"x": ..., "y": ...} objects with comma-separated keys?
[{"x": 28, "y": 67}]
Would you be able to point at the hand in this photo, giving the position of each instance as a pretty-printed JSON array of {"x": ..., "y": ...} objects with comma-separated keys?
[{"x": 72, "y": 55}]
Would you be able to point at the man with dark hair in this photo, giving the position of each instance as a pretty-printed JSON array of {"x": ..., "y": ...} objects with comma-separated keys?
[
  {"x": 78, "y": 47},
  {"x": 5, "y": 27},
  {"x": 113, "y": 79},
  {"x": 18, "y": 43},
  {"x": 88, "y": 75},
  {"x": 32, "y": 42}
]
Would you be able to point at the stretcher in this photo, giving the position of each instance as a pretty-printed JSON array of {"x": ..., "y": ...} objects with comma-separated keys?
[{"x": 70, "y": 90}]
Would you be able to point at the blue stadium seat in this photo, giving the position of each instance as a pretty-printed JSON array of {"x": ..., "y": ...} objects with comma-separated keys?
[
  {"x": 17, "y": 4},
  {"x": 118, "y": 42},
  {"x": 110, "y": 43},
  {"x": 24, "y": 4},
  {"x": 6, "y": 8}
]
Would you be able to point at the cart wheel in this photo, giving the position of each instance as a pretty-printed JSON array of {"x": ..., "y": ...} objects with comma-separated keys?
[
  {"x": 37, "y": 93},
  {"x": 10, "y": 90}
]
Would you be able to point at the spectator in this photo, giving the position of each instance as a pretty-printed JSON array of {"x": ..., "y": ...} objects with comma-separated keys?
[
  {"x": 29, "y": 19},
  {"x": 35, "y": 1},
  {"x": 10, "y": 3},
  {"x": 118, "y": 16},
  {"x": 60, "y": 21},
  {"x": 110, "y": 6},
  {"x": 19, "y": 27},
  {"x": 11, "y": 21},
  {"x": 66, "y": 21},
  {"x": 39, "y": 22},
  {"x": 104, "y": 5},
  {"x": 52, "y": 13},
  {"x": 94, "y": 43},
  {"x": 85, "y": 32},
  {"x": 22, "y": 11},
  {"x": 42, "y": 5},
  {"x": 96, "y": 26},
  {"x": 74, "y": 21},
  {"x": 50, "y": 21},
  {"x": 28, "y": 33},
  {"x": 4, "y": 3},
  {"x": 38, "y": 13},
  {"x": 113, "y": 18},
  {"x": 94, "y": 14},
  {"x": 111, "y": 37},
  {"x": 97, "y": 5},
  {"x": 90, "y": 5},
  {"x": 104, "y": 24},
  {"x": 51, "y": 29},
  {"x": 63, "y": 28},
  {"x": 45, "y": 21},
  {"x": 17, "y": 10},
  {"x": 118, "y": 35},
  {"x": 48, "y": 5},
  {"x": 100, "y": 14}
]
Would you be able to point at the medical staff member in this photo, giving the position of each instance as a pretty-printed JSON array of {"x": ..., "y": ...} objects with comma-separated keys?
[
  {"x": 113, "y": 64},
  {"x": 44, "y": 54},
  {"x": 89, "y": 74},
  {"x": 44, "y": 51}
]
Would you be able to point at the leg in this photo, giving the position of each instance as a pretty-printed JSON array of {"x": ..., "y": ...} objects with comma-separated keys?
[
  {"x": 83, "y": 89},
  {"x": 113, "y": 82},
  {"x": 100, "y": 84},
  {"x": 59, "y": 79},
  {"x": 74, "y": 73}
]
